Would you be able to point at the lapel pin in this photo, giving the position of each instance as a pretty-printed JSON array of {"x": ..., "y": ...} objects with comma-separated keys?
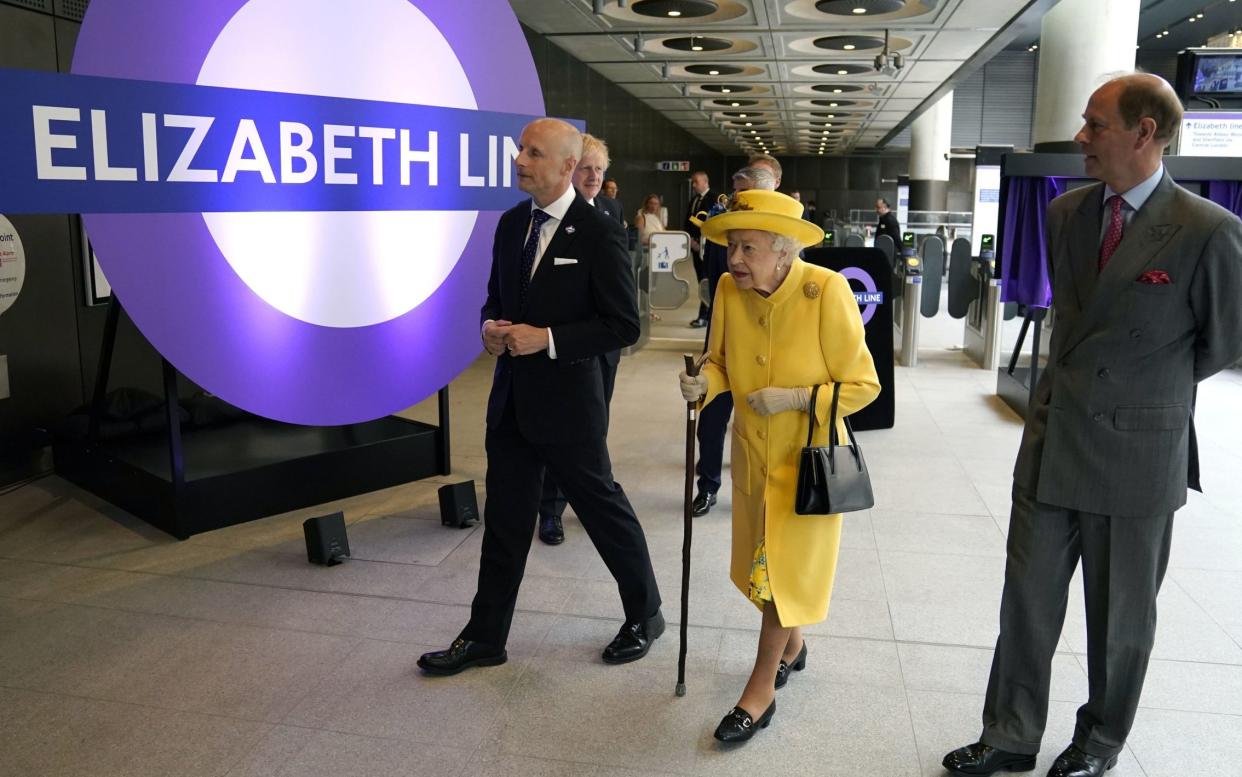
[{"x": 569, "y": 230}]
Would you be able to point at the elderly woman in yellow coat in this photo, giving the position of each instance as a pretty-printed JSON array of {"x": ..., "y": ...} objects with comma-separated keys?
[{"x": 779, "y": 327}]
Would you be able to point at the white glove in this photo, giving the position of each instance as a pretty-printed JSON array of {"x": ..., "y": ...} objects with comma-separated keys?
[
  {"x": 693, "y": 387},
  {"x": 770, "y": 401}
]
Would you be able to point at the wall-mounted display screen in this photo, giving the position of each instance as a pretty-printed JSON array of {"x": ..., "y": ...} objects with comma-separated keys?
[{"x": 1209, "y": 73}]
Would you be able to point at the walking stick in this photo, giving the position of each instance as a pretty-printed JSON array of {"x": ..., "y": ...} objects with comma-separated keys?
[{"x": 692, "y": 369}]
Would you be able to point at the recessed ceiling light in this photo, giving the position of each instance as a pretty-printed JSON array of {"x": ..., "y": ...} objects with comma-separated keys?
[
  {"x": 860, "y": 10},
  {"x": 836, "y": 91},
  {"x": 735, "y": 104},
  {"x": 674, "y": 13},
  {"x": 832, "y": 105},
  {"x": 1192, "y": 20},
  {"x": 749, "y": 124},
  {"x": 696, "y": 47},
  {"x": 1198, "y": 16},
  {"x": 849, "y": 47},
  {"x": 713, "y": 72},
  {"x": 725, "y": 90},
  {"x": 843, "y": 72}
]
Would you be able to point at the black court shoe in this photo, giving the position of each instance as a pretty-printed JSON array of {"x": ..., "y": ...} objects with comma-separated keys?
[
  {"x": 739, "y": 726},
  {"x": 799, "y": 663},
  {"x": 551, "y": 531},
  {"x": 980, "y": 760}
]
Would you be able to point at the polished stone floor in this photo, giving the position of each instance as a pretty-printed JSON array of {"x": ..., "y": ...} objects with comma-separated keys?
[{"x": 123, "y": 652}]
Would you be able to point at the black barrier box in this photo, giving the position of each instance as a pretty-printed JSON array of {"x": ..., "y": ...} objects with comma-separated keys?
[{"x": 870, "y": 276}]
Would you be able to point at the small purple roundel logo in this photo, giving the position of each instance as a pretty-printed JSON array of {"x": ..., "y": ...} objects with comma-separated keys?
[
  {"x": 303, "y": 224},
  {"x": 870, "y": 298}
]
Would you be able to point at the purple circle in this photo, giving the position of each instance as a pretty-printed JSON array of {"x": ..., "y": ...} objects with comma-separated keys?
[
  {"x": 868, "y": 283},
  {"x": 189, "y": 302}
]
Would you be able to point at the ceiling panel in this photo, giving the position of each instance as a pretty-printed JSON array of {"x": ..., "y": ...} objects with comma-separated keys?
[{"x": 775, "y": 43}]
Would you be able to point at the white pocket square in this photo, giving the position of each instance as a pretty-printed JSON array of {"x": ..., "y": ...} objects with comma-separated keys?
[{"x": 558, "y": 261}]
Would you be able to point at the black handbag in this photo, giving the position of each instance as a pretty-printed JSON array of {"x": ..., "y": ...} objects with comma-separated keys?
[{"x": 832, "y": 479}]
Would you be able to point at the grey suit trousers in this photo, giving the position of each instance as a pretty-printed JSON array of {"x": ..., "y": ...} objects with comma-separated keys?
[{"x": 1123, "y": 561}]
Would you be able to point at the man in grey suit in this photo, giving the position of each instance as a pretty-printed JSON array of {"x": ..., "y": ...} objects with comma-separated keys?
[{"x": 1147, "y": 281}]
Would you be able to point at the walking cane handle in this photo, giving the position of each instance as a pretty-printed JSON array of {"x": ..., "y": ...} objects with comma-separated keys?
[{"x": 692, "y": 367}]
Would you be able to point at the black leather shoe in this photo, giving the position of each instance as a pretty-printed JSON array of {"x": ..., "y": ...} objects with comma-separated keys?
[
  {"x": 550, "y": 529},
  {"x": 1075, "y": 763},
  {"x": 698, "y": 323},
  {"x": 738, "y": 726},
  {"x": 799, "y": 663},
  {"x": 462, "y": 654},
  {"x": 979, "y": 760},
  {"x": 634, "y": 640},
  {"x": 703, "y": 503}
]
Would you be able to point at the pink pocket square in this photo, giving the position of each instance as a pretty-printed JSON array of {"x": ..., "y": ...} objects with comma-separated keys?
[{"x": 1155, "y": 278}]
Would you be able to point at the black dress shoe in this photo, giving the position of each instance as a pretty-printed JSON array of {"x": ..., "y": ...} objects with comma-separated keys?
[
  {"x": 738, "y": 726},
  {"x": 462, "y": 654},
  {"x": 1075, "y": 763},
  {"x": 799, "y": 663},
  {"x": 550, "y": 529},
  {"x": 978, "y": 760},
  {"x": 634, "y": 640},
  {"x": 703, "y": 503},
  {"x": 698, "y": 323}
]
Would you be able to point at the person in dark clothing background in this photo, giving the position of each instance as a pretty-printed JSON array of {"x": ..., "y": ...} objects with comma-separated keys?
[
  {"x": 888, "y": 222},
  {"x": 701, "y": 198}
]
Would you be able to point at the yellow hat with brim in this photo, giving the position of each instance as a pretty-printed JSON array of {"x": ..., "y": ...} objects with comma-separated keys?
[{"x": 766, "y": 211}]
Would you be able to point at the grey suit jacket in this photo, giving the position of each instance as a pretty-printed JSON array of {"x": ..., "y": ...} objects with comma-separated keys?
[{"x": 1109, "y": 428}]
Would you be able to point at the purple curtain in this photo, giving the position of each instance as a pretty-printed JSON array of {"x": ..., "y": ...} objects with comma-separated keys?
[
  {"x": 1227, "y": 194},
  {"x": 1023, "y": 255}
]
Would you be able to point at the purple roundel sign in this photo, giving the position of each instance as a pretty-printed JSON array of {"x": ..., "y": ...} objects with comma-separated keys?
[
  {"x": 297, "y": 206},
  {"x": 870, "y": 298}
]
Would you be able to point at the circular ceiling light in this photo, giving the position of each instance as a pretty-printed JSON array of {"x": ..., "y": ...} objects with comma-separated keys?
[
  {"x": 725, "y": 88},
  {"x": 860, "y": 7},
  {"x": 841, "y": 69},
  {"x": 749, "y": 123},
  {"x": 836, "y": 88},
  {"x": 698, "y": 43},
  {"x": 831, "y": 103},
  {"x": 831, "y": 114},
  {"x": 675, "y": 9},
  {"x": 714, "y": 70},
  {"x": 735, "y": 103},
  {"x": 849, "y": 43}
]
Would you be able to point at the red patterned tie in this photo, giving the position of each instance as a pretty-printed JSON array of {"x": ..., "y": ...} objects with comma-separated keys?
[{"x": 1112, "y": 237}]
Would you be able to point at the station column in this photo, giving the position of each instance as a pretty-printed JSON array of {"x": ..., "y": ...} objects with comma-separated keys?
[{"x": 930, "y": 137}]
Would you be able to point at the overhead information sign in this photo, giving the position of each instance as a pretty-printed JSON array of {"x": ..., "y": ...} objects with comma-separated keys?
[{"x": 1214, "y": 133}]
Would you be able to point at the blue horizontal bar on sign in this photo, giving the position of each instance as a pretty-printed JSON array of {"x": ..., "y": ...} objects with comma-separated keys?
[{"x": 84, "y": 144}]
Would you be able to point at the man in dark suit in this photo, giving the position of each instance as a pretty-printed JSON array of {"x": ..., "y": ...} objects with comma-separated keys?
[
  {"x": 887, "y": 224},
  {"x": 588, "y": 179},
  {"x": 702, "y": 198},
  {"x": 1146, "y": 283},
  {"x": 610, "y": 190},
  {"x": 560, "y": 295}
]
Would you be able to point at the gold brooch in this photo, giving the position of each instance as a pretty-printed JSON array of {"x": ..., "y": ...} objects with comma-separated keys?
[{"x": 811, "y": 290}]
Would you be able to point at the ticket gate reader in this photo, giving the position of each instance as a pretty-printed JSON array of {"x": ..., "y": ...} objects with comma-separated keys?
[{"x": 907, "y": 287}]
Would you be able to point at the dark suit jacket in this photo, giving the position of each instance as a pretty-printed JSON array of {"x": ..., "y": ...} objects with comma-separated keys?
[
  {"x": 709, "y": 199},
  {"x": 590, "y": 307},
  {"x": 888, "y": 225},
  {"x": 1109, "y": 429}
]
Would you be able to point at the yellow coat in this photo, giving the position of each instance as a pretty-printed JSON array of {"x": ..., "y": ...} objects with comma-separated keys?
[{"x": 807, "y": 332}]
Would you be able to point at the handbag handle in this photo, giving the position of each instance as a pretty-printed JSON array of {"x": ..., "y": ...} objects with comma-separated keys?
[{"x": 833, "y": 438}]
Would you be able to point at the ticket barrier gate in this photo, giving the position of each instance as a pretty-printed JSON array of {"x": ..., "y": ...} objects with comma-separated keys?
[
  {"x": 886, "y": 244},
  {"x": 665, "y": 255},
  {"x": 916, "y": 284},
  {"x": 974, "y": 295}
]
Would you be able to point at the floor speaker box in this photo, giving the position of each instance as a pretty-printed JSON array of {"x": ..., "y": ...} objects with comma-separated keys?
[
  {"x": 326, "y": 542},
  {"x": 458, "y": 505}
]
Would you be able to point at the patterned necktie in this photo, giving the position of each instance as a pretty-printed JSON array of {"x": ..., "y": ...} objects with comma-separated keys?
[
  {"x": 1112, "y": 236},
  {"x": 537, "y": 219}
]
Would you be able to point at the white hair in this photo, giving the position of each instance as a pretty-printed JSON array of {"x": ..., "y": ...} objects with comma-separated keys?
[
  {"x": 758, "y": 177},
  {"x": 784, "y": 244}
]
